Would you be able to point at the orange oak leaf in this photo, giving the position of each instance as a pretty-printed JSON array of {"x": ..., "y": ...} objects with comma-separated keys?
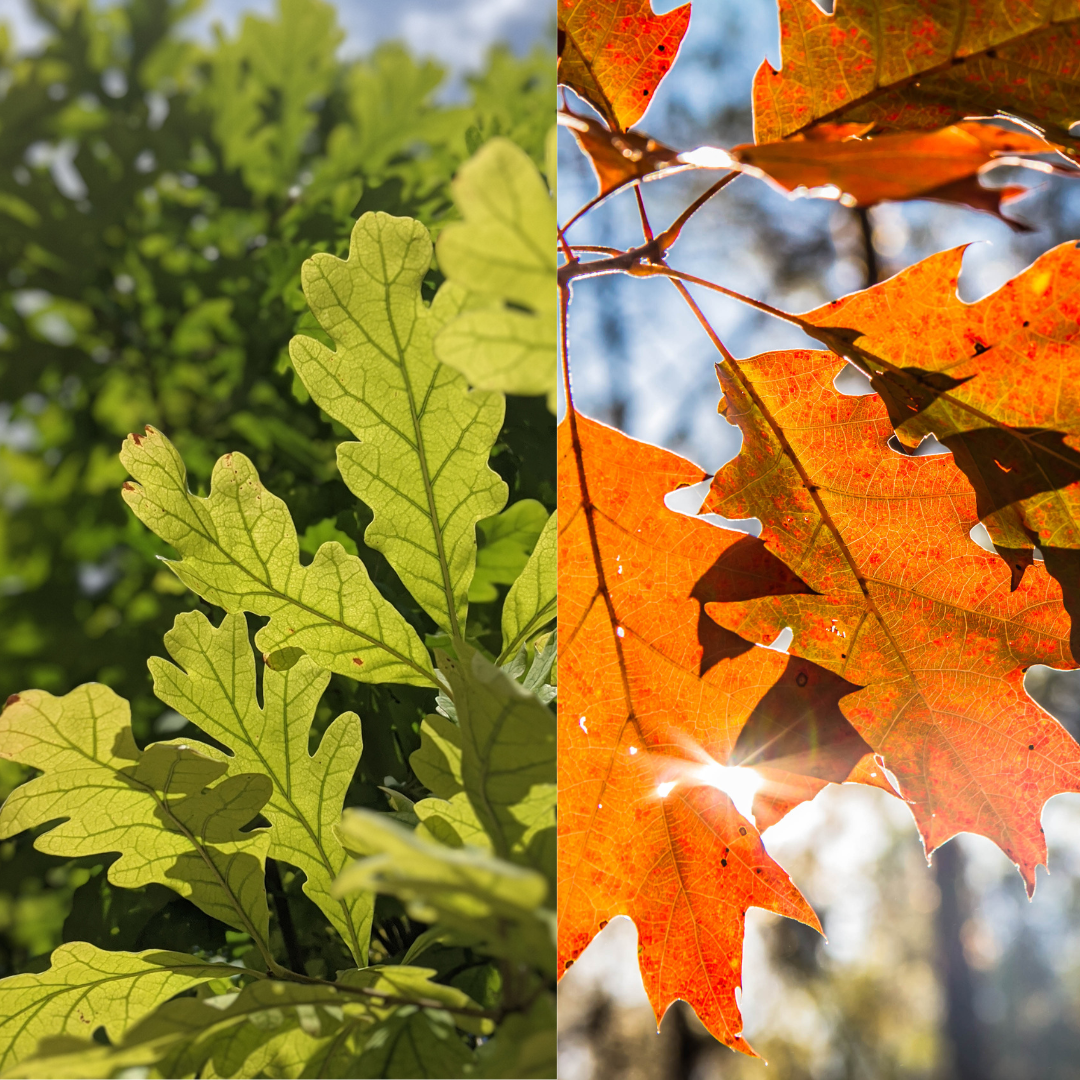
[
  {"x": 614, "y": 53},
  {"x": 921, "y": 64},
  {"x": 998, "y": 382},
  {"x": 943, "y": 165},
  {"x": 650, "y": 691},
  {"x": 783, "y": 789},
  {"x": 798, "y": 741},
  {"x": 619, "y": 157},
  {"x": 907, "y": 606}
]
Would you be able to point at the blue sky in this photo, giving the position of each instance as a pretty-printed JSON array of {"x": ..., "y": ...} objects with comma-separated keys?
[{"x": 456, "y": 32}]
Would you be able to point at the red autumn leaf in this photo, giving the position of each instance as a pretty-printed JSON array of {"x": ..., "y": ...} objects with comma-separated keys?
[
  {"x": 998, "y": 382},
  {"x": 614, "y": 53},
  {"x": 650, "y": 690},
  {"x": 943, "y": 164},
  {"x": 798, "y": 741},
  {"x": 920, "y": 64},
  {"x": 783, "y": 789},
  {"x": 907, "y": 606},
  {"x": 619, "y": 157}
]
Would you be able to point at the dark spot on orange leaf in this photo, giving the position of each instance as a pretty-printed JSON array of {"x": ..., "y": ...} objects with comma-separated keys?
[
  {"x": 723, "y": 862},
  {"x": 742, "y": 830}
]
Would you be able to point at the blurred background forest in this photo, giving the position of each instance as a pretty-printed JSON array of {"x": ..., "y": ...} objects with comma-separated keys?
[
  {"x": 947, "y": 972},
  {"x": 165, "y": 168}
]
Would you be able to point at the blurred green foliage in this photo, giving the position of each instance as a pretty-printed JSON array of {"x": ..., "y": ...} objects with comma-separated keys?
[{"x": 157, "y": 199}]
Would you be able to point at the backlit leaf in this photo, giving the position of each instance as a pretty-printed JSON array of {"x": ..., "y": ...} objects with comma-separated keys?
[
  {"x": 907, "y": 606},
  {"x": 240, "y": 552},
  {"x": 214, "y": 687},
  {"x": 421, "y": 462},
  {"x": 503, "y": 256},
  {"x": 507, "y": 740},
  {"x": 85, "y": 988},
  {"x": 488, "y": 903},
  {"x": 955, "y": 370},
  {"x": 942, "y": 164},
  {"x": 274, "y": 1028},
  {"x": 508, "y": 540},
  {"x": 530, "y": 604},
  {"x": 166, "y": 809},
  {"x": 615, "y": 52},
  {"x": 652, "y": 691},
  {"x": 920, "y": 64},
  {"x": 618, "y": 157}
]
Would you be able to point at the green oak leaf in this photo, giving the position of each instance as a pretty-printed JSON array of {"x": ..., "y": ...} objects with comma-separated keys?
[
  {"x": 508, "y": 541},
  {"x": 422, "y": 460},
  {"x": 503, "y": 255},
  {"x": 213, "y": 685},
  {"x": 268, "y": 1028},
  {"x": 531, "y": 602},
  {"x": 492, "y": 904},
  {"x": 452, "y": 822},
  {"x": 524, "y": 1046},
  {"x": 85, "y": 988},
  {"x": 492, "y": 774},
  {"x": 447, "y": 816},
  {"x": 438, "y": 761},
  {"x": 261, "y": 87},
  {"x": 405, "y": 982},
  {"x": 156, "y": 807},
  {"x": 420, "y": 1044},
  {"x": 507, "y": 756},
  {"x": 271, "y": 1028},
  {"x": 240, "y": 551}
]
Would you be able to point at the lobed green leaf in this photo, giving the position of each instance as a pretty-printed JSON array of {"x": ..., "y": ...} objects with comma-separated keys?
[
  {"x": 160, "y": 808},
  {"x": 531, "y": 602},
  {"x": 508, "y": 540},
  {"x": 213, "y": 685},
  {"x": 487, "y": 902},
  {"x": 422, "y": 460},
  {"x": 85, "y": 988},
  {"x": 503, "y": 255},
  {"x": 240, "y": 551}
]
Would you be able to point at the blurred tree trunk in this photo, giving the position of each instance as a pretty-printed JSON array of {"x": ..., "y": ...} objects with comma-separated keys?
[
  {"x": 686, "y": 1046},
  {"x": 962, "y": 1028}
]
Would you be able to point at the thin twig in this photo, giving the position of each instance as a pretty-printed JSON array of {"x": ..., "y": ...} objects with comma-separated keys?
[
  {"x": 564, "y": 343},
  {"x": 276, "y": 888},
  {"x": 673, "y": 230},
  {"x": 616, "y": 264},
  {"x": 652, "y": 251},
  {"x": 646, "y": 228}
]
